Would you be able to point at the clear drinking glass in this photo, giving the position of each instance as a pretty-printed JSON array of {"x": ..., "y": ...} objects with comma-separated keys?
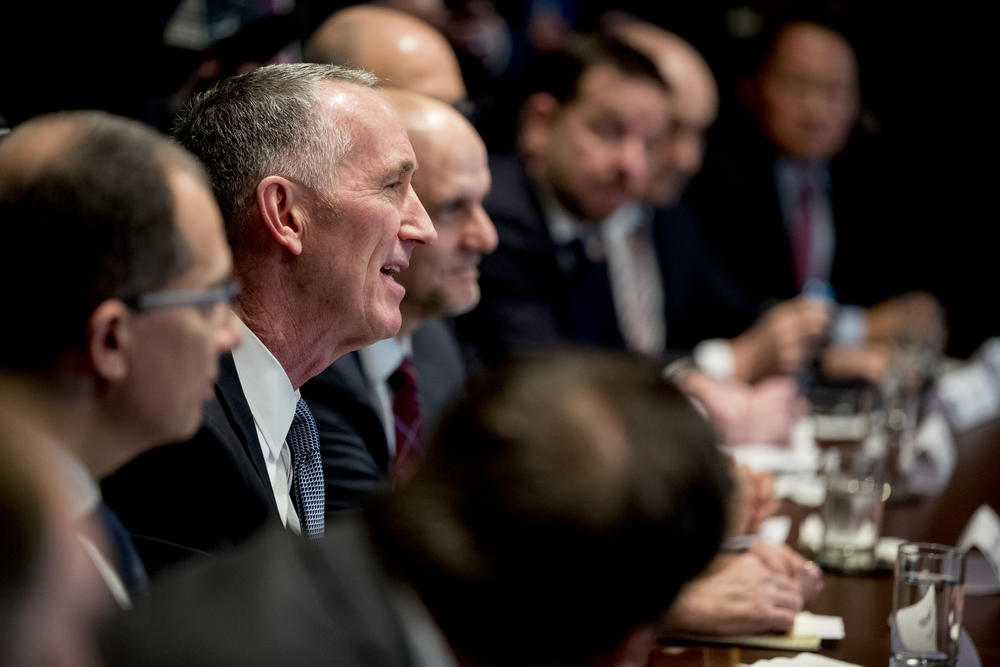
[
  {"x": 852, "y": 509},
  {"x": 928, "y": 596}
]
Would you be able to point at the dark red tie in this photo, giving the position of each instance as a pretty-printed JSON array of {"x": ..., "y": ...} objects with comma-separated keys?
[
  {"x": 801, "y": 236},
  {"x": 406, "y": 411}
]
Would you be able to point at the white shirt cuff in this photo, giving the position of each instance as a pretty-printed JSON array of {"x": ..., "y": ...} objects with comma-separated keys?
[
  {"x": 850, "y": 327},
  {"x": 714, "y": 357}
]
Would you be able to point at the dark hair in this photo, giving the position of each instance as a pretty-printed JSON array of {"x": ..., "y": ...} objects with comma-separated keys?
[
  {"x": 88, "y": 215},
  {"x": 564, "y": 502},
  {"x": 761, "y": 48},
  {"x": 263, "y": 123},
  {"x": 559, "y": 73}
]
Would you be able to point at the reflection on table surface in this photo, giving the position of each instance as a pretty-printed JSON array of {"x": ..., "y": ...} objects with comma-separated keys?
[{"x": 865, "y": 601}]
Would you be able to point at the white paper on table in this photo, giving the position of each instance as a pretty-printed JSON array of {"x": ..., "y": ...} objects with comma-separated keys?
[
  {"x": 916, "y": 625},
  {"x": 824, "y": 627},
  {"x": 807, "y": 490},
  {"x": 935, "y": 440},
  {"x": 775, "y": 529},
  {"x": 990, "y": 352},
  {"x": 802, "y": 660},
  {"x": 800, "y": 455},
  {"x": 983, "y": 533},
  {"x": 970, "y": 395}
]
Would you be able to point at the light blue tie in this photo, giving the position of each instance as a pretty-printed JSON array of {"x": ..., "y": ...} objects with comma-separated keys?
[{"x": 308, "y": 492}]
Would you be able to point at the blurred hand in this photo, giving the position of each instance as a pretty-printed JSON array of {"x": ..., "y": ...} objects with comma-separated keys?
[
  {"x": 783, "y": 559},
  {"x": 752, "y": 501},
  {"x": 742, "y": 413},
  {"x": 742, "y": 596},
  {"x": 914, "y": 317},
  {"x": 870, "y": 362},
  {"x": 782, "y": 340}
]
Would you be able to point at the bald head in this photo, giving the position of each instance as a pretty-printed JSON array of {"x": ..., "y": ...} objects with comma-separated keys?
[
  {"x": 695, "y": 105},
  {"x": 453, "y": 179},
  {"x": 401, "y": 49}
]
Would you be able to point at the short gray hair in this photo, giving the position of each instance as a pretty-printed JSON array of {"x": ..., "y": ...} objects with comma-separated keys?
[{"x": 266, "y": 123}]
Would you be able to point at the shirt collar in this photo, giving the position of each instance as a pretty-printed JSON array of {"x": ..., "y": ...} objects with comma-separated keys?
[
  {"x": 84, "y": 494},
  {"x": 267, "y": 389},
  {"x": 381, "y": 359}
]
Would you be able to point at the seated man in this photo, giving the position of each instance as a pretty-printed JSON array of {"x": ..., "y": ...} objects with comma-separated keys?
[
  {"x": 374, "y": 407},
  {"x": 564, "y": 503},
  {"x": 118, "y": 341},
  {"x": 789, "y": 202},
  {"x": 577, "y": 258},
  {"x": 312, "y": 170}
]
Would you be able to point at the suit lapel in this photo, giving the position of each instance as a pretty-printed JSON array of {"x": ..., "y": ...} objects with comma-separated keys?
[{"x": 237, "y": 410}]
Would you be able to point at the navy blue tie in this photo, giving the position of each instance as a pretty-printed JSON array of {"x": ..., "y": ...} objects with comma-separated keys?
[
  {"x": 130, "y": 567},
  {"x": 308, "y": 492}
]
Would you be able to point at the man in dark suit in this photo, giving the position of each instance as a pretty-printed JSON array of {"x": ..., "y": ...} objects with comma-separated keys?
[
  {"x": 354, "y": 400},
  {"x": 312, "y": 170},
  {"x": 542, "y": 530},
  {"x": 787, "y": 200},
  {"x": 118, "y": 339},
  {"x": 580, "y": 259}
]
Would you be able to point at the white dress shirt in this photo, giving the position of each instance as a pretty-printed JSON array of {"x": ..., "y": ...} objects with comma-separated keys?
[
  {"x": 272, "y": 404},
  {"x": 379, "y": 361}
]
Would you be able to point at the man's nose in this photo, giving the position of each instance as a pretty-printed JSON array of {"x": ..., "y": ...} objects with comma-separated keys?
[
  {"x": 479, "y": 234},
  {"x": 416, "y": 224}
]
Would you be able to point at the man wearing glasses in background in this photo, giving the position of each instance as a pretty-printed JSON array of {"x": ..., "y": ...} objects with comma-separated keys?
[{"x": 120, "y": 320}]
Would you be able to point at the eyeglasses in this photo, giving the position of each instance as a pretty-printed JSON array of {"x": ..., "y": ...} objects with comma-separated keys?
[{"x": 204, "y": 299}]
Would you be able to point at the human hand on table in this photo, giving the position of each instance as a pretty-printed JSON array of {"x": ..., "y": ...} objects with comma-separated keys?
[
  {"x": 782, "y": 339},
  {"x": 782, "y": 558},
  {"x": 761, "y": 413},
  {"x": 743, "y": 595}
]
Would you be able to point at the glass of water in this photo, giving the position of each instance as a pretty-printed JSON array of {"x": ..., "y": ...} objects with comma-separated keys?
[
  {"x": 927, "y": 601},
  {"x": 852, "y": 509}
]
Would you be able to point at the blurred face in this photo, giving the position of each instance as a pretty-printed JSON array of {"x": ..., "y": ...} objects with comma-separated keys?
[
  {"x": 443, "y": 277},
  {"x": 808, "y": 92},
  {"x": 368, "y": 223},
  {"x": 177, "y": 348},
  {"x": 681, "y": 153},
  {"x": 600, "y": 146}
]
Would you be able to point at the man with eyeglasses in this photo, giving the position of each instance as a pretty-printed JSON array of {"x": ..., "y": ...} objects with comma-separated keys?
[
  {"x": 312, "y": 168},
  {"x": 121, "y": 321}
]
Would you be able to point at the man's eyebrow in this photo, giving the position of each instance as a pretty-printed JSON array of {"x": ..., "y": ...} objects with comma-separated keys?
[{"x": 405, "y": 167}]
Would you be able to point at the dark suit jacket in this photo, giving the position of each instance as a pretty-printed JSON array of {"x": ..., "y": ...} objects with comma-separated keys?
[
  {"x": 736, "y": 197},
  {"x": 352, "y": 438},
  {"x": 276, "y": 601},
  {"x": 203, "y": 495},
  {"x": 527, "y": 298}
]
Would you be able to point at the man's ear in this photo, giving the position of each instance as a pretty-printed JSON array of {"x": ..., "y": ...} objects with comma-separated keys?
[
  {"x": 279, "y": 201},
  {"x": 538, "y": 115},
  {"x": 109, "y": 339}
]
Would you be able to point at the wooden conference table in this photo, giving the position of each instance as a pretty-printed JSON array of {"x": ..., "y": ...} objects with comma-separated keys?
[{"x": 865, "y": 601}]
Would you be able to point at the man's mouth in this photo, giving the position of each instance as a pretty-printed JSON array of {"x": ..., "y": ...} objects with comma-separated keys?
[{"x": 390, "y": 270}]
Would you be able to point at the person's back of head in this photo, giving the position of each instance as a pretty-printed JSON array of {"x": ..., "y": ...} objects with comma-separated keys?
[
  {"x": 268, "y": 121},
  {"x": 562, "y": 506},
  {"x": 48, "y": 592},
  {"x": 92, "y": 190},
  {"x": 399, "y": 48}
]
